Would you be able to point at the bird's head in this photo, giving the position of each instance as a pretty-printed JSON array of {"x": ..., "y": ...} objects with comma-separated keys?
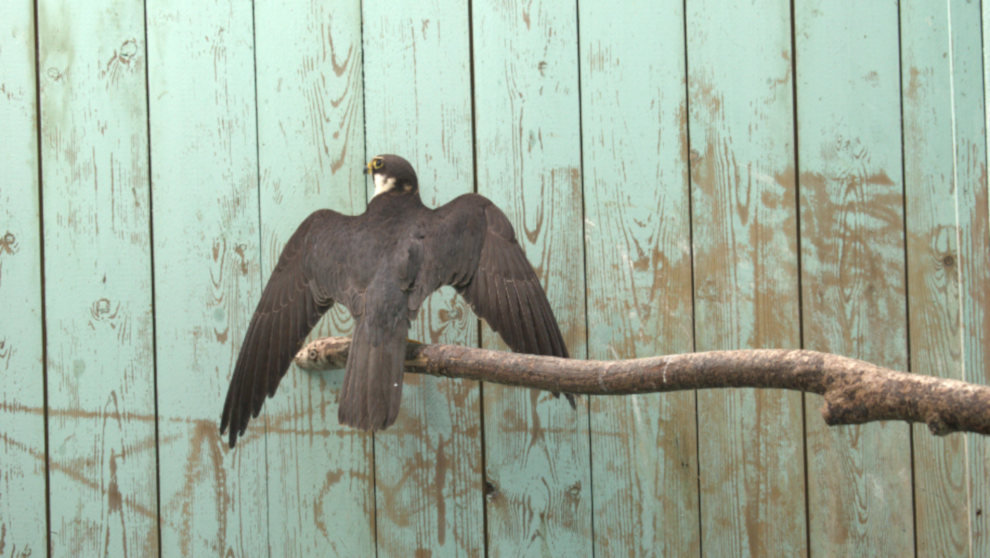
[{"x": 392, "y": 174}]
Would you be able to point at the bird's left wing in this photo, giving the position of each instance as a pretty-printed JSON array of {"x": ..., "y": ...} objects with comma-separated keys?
[
  {"x": 475, "y": 250},
  {"x": 288, "y": 310}
]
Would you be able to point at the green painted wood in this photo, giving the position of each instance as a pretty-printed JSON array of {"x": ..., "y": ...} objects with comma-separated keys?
[
  {"x": 986, "y": 75},
  {"x": 311, "y": 154},
  {"x": 428, "y": 474},
  {"x": 212, "y": 255},
  {"x": 945, "y": 183},
  {"x": 750, "y": 443},
  {"x": 973, "y": 222},
  {"x": 98, "y": 291},
  {"x": 853, "y": 271},
  {"x": 537, "y": 469},
  {"x": 23, "y": 528},
  {"x": 207, "y": 272},
  {"x": 637, "y": 242}
]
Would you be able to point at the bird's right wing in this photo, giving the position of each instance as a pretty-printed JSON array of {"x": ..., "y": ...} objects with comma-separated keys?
[{"x": 288, "y": 310}]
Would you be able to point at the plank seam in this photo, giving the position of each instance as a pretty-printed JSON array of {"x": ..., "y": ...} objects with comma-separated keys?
[
  {"x": 800, "y": 284},
  {"x": 907, "y": 286},
  {"x": 477, "y": 321},
  {"x": 968, "y": 445},
  {"x": 694, "y": 324},
  {"x": 154, "y": 298},
  {"x": 986, "y": 153},
  {"x": 364, "y": 133},
  {"x": 261, "y": 249},
  {"x": 584, "y": 267},
  {"x": 41, "y": 285}
]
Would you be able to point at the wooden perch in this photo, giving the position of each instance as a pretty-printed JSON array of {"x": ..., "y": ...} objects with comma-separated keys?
[{"x": 855, "y": 391}]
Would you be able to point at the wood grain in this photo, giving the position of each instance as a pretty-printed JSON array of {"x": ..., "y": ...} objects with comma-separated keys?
[
  {"x": 985, "y": 8},
  {"x": 852, "y": 248},
  {"x": 299, "y": 485},
  {"x": 418, "y": 104},
  {"x": 207, "y": 272},
  {"x": 744, "y": 212},
  {"x": 637, "y": 242},
  {"x": 97, "y": 279},
  {"x": 23, "y": 522},
  {"x": 537, "y": 470},
  {"x": 311, "y": 153},
  {"x": 942, "y": 132},
  {"x": 973, "y": 222}
]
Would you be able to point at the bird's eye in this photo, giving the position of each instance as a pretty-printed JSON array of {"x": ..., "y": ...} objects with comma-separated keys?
[{"x": 377, "y": 164}]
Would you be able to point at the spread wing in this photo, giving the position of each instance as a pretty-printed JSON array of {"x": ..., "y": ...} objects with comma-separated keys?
[
  {"x": 478, "y": 254},
  {"x": 288, "y": 310}
]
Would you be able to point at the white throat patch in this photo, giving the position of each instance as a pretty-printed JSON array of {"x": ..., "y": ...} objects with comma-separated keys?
[{"x": 383, "y": 184}]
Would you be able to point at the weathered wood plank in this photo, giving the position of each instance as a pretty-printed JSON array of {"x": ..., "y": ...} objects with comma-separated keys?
[
  {"x": 537, "y": 470},
  {"x": 973, "y": 222},
  {"x": 23, "y": 520},
  {"x": 852, "y": 246},
  {"x": 97, "y": 279},
  {"x": 944, "y": 172},
  {"x": 428, "y": 475},
  {"x": 985, "y": 28},
  {"x": 750, "y": 446},
  {"x": 207, "y": 275},
  {"x": 311, "y": 151},
  {"x": 637, "y": 242}
]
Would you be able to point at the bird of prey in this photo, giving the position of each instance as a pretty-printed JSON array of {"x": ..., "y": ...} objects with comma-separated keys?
[{"x": 381, "y": 265}]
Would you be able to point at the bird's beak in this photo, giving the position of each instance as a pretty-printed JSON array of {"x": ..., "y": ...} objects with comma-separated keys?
[{"x": 367, "y": 168}]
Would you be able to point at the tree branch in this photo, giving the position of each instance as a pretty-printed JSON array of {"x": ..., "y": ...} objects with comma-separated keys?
[{"x": 855, "y": 391}]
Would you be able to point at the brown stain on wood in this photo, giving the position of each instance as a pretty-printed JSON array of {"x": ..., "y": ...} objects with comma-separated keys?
[
  {"x": 430, "y": 467},
  {"x": 204, "y": 463},
  {"x": 8, "y": 246},
  {"x": 639, "y": 264},
  {"x": 439, "y": 480},
  {"x": 125, "y": 59},
  {"x": 74, "y": 472},
  {"x": 332, "y": 478},
  {"x": 976, "y": 263},
  {"x": 745, "y": 235},
  {"x": 6, "y": 354},
  {"x": 317, "y": 95}
]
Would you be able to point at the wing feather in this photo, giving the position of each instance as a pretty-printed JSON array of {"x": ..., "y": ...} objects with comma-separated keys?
[
  {"x": 496, "y": 278},
  {"x": 288, "y": 310}
]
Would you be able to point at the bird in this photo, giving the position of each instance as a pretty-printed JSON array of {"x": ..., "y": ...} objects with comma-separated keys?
[{"x": 382, "y": 265}]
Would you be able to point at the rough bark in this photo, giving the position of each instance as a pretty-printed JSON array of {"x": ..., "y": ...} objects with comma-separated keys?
[{"x": 855, "y": 391}]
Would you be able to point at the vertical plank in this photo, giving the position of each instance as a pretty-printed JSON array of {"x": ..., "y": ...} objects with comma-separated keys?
[
  {"x": 637, "y": 242},
  {"x": 537, "y": 470},
  {"x": 311, "y": 153},
  {"x": 852, "y": 248},
  {"x": 985, "y": 34},
  {"x": 973, "y": 222},
  {"x": 740, "y": 96},
  {"x": 97, "y": 279},
  {"x": 427, "y": 465},
  {"x": 22, "y": 400},
  {"x": 945, "y": 188},
  {"x": 207, "y": 275}
]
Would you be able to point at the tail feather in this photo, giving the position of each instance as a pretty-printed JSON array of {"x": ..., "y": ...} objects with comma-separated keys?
[{"x": 372, "y": 389}]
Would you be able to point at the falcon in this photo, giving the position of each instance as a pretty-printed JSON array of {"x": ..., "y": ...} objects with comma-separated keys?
[{"x": 381, "y": 265}]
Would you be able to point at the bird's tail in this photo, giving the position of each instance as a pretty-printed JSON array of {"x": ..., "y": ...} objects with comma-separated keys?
[{"x": 372, "y": 387}]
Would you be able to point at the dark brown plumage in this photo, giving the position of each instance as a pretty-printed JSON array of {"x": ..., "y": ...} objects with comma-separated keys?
[{"x": 382, "y": 265}]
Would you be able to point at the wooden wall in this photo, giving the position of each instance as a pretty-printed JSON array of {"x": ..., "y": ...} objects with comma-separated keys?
[{"x": 684, "y": 175}]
